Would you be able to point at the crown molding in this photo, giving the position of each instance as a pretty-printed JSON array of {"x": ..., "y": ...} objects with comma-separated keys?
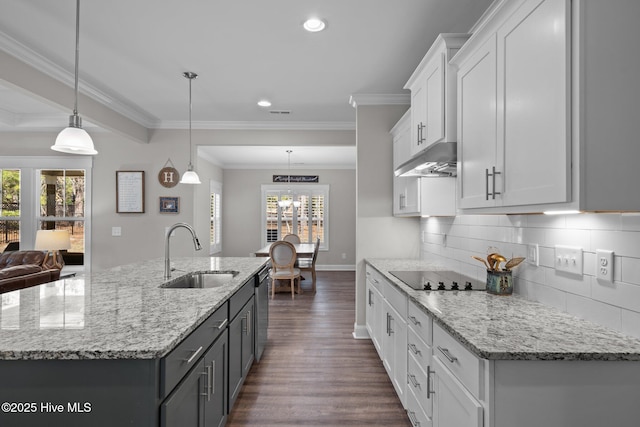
[
  {"x": 244, "y": 125},
  {"x": 360, "y": 99},
  {"x": 43, "y": 64}
]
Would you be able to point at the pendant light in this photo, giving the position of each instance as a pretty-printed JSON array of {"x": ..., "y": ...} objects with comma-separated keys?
[
  {"x": 190, "y": 176},
  {"x": 74, "y": 139},
  {"x": 287, "y": 203}
]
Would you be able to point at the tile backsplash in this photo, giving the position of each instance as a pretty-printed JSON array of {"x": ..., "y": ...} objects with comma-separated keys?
[{"x": 453, "y": 240}]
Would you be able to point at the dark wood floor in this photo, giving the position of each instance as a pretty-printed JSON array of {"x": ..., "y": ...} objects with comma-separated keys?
[{"x": 313, "y": 373}]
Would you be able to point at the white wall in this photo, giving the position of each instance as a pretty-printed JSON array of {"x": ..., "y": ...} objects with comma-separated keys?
[
  {"x": 378, "y": 233},
  {"x": 241, "y": 213},
  {"x": 617, "y": 305}
]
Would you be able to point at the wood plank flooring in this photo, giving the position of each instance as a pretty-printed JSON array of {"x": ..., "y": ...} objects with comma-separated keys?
[{"x": 313, "y": 373}]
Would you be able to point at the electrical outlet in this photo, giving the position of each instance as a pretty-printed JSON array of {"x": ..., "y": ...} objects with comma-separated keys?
[
  {"x": 568, "y": 259},
  {"x": 604, "y": 265},
  {"x": 116, "y": 231},
  {"x": 533, "y": 254}
]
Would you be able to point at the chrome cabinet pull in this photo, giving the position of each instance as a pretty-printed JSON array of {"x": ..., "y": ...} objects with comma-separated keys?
[
  {"x": 206, "y": 386},
  {"x": 402, "y": 202},
  {"x": 494, "y": 182},
  {"x": 390, "y": 317},
  {"x": 486, "y": 184},
  {"x": 413, "y": 381},
  {"x": 449, "y": 356},
  {"x": 249, "y": 319},
  {"x": 388, "y": 326},
  {"x": 429, "y": 391},
  {"x": 370, "y": 295},
  {"x": 414, "y": 320},
  {"x": 412, "y": 418},
  {"x": 212, "y": 384},
  {"x": 193, "y": 356},
  {"x": 421, "y": 138},
  {"x": 222, "y": 324},
  {"x": 414, "y": 349}
]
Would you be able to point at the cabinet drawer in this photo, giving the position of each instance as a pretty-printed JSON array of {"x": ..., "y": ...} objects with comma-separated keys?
[
  {"x": 416, "y": 415},
  {"x": 418, "y": 349},
  {"x": 463, "y": 364},
  {"x": 419, "y": 382},
  {"x": 185, "y": 356},
  {"x": 420, "y": 322},
  {"x": 374, "y": 277},
  {"x": 240, "y": 298},
  {"x": 397, "y": 299}
]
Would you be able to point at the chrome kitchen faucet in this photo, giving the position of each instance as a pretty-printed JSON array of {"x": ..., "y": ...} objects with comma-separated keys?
[{"x": 167, "y": 261}]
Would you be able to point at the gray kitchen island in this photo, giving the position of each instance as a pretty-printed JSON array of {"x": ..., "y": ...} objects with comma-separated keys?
[{"x": 115, "y": 348}]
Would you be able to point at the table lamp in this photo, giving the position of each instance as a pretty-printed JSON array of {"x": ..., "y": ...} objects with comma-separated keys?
[{"x": 52, "y": 241}]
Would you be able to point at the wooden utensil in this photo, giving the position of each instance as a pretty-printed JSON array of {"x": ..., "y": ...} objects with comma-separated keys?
[
  {"x": 513, "y": 262},
  {"x": 481, "y": 260}
]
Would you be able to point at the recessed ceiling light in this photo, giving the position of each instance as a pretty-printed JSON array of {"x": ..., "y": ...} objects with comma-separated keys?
[
  {"x": 264, "y": 103},
  {"x": 314, "y": 25}
]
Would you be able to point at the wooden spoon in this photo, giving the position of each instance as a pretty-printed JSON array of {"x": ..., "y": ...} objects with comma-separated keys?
[
  {"x": 513, "y": 262},
  {"x": 481, "y": 260}
]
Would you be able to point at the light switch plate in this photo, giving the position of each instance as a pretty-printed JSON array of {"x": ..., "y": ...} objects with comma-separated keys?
[
  {"x": 116, "y": 231},
  {"x": 568, "y": 259},
  {"x": 604, "y": 265},
  {"x": 533, "y": 254}
]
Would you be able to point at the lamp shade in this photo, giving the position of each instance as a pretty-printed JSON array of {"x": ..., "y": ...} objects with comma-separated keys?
[
  {"x": 52, "y": 240},
  {"x": 190, "y": 177},
  {"x": 74, "y": 140}
]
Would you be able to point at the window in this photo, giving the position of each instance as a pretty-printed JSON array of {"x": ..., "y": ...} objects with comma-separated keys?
[
  {"x": 10, "y": 208},
  {"x": 47, "y": 193},
  {"x": 305, "y": 214},
  {"x": 215, "y": 229}
]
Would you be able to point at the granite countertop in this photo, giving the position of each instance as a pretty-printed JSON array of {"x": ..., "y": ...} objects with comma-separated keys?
[
  {"x": 511, "y": 327},
  {"x": 120, "y": 313}
]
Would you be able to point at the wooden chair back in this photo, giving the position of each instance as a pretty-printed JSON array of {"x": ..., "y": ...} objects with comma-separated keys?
[{"x": 291, "y": 238}]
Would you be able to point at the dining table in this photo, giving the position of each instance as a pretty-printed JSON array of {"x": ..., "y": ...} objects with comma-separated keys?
[{"x": 303, "y": 250}]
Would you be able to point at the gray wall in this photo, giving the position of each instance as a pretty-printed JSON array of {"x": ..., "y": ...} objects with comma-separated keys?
[
  {"x": 143, "y": 234},
  {"x": 241, "y": 214},
  {"x": 378, "y": 233}
]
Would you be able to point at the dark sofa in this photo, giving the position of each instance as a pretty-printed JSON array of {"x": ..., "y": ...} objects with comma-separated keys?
[{"x": 22, "y": 269}]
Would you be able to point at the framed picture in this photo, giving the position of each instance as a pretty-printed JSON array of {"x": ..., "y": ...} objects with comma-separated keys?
[
  {"x": 170, "y": 205},
  {"x": 130, "y": 191}
]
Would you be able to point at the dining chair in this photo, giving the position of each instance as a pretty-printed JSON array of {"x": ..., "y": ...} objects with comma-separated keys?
[
  {"x": 283, "y": 258},
  {"x": 309, "y": 264},
  {"x": 292, "y": 238}
]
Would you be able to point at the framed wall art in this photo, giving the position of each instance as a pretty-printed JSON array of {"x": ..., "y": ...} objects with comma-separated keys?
[
  {"x": 130, "y": 191},
  {"x": 170, "y": 205}
]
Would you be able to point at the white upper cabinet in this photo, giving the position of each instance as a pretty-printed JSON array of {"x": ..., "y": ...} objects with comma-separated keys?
[
  {"x": 433, "y": 99},
  {"x": 540, "y": 98}
]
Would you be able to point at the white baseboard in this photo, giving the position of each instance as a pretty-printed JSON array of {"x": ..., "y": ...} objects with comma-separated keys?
[
  {"x": 336, "y": 267},
  {"x": 360, "y": 332}
]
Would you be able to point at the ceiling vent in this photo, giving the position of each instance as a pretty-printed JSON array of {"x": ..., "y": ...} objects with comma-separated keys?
[{"x": 281, "y": 112}]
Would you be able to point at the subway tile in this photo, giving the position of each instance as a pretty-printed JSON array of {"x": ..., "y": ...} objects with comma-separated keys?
[
  {"x": 565, "y": 237},
  {"x": 549, "y": 296},
  {"x": 623, "y": 243},
  {"x": 620, "y": 294},
  {"x": 629, "y": 269},
  {"x": 630, "y": 221},
  {"x": 592, "y": 221},
  {"x": 630, "y": 323},
  {"x": 575, "y": 284},
  {"x": 594, "y": 311},
  {"x": 547, "y": 221},
  {"x": 546, "y": 256},
  {"x": 514, "y": 220}
]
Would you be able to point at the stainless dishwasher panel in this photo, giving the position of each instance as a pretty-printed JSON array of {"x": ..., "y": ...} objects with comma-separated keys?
[{"x": 262, "y": 311}]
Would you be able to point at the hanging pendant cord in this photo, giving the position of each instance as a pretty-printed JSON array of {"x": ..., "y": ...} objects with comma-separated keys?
[
  {"x": 75, "y": 104},
  {"x": 190, "y": 108}
]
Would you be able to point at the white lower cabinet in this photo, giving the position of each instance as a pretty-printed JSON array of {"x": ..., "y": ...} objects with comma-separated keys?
[{"x": 453, "y": 405}]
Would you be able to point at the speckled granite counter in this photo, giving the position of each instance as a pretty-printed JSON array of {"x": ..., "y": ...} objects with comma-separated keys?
[
  {"x": 511, "y": 327},
  {"x": 121, "y": 313}
]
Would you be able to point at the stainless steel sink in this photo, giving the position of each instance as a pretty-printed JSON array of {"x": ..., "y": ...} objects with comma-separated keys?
[{"x": 201, "y": 279}]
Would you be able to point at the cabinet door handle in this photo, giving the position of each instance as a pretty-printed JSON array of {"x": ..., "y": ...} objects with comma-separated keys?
[
  {"x": 493, "y": 178},
  {"x": 414, "y": 320},
  {"x": 421, "y": 138},
  {"x": 193, "y": 356},
  {"x": 207, "y": 386},
  {"x": 370, "y": 296},
  {"x": 412, "y": 418},
  {"x": 390, "y": 320},
  {"x": 445, "y": 351},
  {"x": 212, "y": 384},
  {"x": 222, "y": 324},
  {"x": 402, "y": 202},
  {"x": 388, "y": 324},
  {"x": 429, "y": 391},
  {"x": 414, "y": 349},
  {"x": 486, "y": 184},
  {"x": 248, "y": 322},
  {"x": 413, "y": 381}
]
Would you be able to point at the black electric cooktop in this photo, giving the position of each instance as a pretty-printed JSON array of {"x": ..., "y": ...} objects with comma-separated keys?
[{"x": 444, "y": 280}]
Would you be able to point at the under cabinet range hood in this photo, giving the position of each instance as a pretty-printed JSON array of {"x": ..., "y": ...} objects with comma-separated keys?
[{"x": 439, "y": 159}]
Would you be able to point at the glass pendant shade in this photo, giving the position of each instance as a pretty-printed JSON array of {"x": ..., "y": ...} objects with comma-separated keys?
[
  {"x": 74, "y": 140},
  {"x": 190, "y": 177}
]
